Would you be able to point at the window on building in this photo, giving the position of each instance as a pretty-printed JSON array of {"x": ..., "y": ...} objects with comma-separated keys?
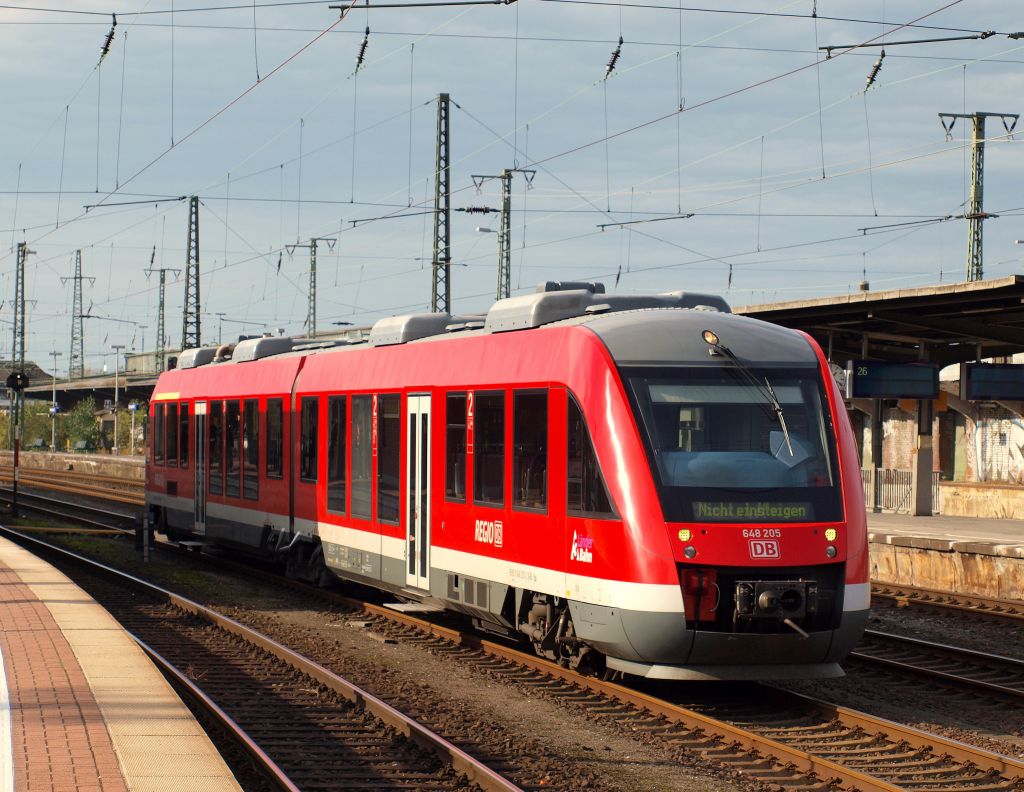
[
  {"x": 362, "y": 455},
  {"x": 336, "y": 427},
  {"x": 183, "y": 434},
  {"x": 251, "y": 449},
  {"x": 171, "y": 427},
  {"x": 158, "y": 434},
  {"x": 389, "y": 431},
  {"x": 587, "y": 492},
  {"x": 215, "y": 448},
  {"x": 489, "y": 448},
  {"x": 232, "y": 445},
  {"x": 307, "y": 443},
  {"x": 530, "y": 449},
  {"x": 455, "y": 447},
  {"x": 275, "y": 438}
]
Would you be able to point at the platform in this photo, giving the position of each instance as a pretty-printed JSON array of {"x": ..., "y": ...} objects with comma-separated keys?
[
  {"x": 82, "y": 709},
  {"x": 939, "y": 532},
  {"x": 971, "y": 555}
]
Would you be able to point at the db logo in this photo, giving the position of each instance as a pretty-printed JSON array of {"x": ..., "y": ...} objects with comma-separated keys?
[{"x": 764, "y": 548}]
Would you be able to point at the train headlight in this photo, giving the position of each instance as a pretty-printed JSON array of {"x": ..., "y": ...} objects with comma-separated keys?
[
  {"x": 710, "y": 337},
  {"x": 830, "y": 551},
  {"x": 690, "y": 551},
  {"x": 684, "y": 535},
  {"x": 830, "y": 534}
]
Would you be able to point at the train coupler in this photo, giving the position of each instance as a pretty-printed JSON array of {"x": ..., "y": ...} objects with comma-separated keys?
[{"x": 776, "y": 599}]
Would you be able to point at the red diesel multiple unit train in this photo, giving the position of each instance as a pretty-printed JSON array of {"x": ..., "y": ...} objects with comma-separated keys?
[{"x": 648, "y": 484}]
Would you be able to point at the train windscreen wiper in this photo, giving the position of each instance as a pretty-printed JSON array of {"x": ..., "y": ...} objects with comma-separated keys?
[{"x": 766, "y": 389}]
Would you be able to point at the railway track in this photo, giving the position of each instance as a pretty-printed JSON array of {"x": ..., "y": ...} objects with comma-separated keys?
[
  {"x": 797, "y": 742},
  {"x": 307, "y": 727},
  {"x": 115, "y": 489},
  {"x": 60, "y": 509},
  {"x": 766, "y": 734},
  {"x": 950, "y": 602},
  {"x": 991, "y": 673},
  {"x": 770, "y": 735}
]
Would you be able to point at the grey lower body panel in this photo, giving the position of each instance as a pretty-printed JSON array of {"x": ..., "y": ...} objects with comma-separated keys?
[
  {"x": 734, "y": 672},
  {"x": 660, "y": 645},
  {"x": 178, "y": 519}
]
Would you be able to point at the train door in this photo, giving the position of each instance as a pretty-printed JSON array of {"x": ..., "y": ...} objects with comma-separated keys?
[
  {"x": 417, "y": 476},
  {"x": 199, "y": 444}
]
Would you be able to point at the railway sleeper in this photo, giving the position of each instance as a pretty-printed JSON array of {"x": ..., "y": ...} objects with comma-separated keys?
[
  {"x": 931, "y": 772},
  {"x": 906, "y": 760}
]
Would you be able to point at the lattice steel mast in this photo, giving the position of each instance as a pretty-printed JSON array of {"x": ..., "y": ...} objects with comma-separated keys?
[
  {"x": 18, "y": 345},
  {"x": 504, "y": 288},
  {"x": 505, "y": 238},
  {"x": 975, "y": 213},
  {"x": 76, "y": 356},
  {"x": 190, "y": 329},
  {"x": 311, "y": 296},
  {"x": 160, "y": 354},
  {"x": 440, "y": 298}
]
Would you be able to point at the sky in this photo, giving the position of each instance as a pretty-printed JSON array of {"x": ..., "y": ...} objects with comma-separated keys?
[{"x": 724, "y": 153}]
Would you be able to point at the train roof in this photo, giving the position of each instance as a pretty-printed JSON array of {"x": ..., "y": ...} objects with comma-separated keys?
[{"x": 637, "y": 329}]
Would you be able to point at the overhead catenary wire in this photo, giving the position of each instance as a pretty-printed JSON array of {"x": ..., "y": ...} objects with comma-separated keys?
[
  {"x": 216, "y": 114},
  {"x": 120, "y": 114},
  {"x": 719, "y": 97},
  {"x": 616, "y": 4}
]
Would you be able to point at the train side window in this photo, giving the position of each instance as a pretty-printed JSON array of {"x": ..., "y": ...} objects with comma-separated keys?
[
  {"x": 307, "y": 444},
  {"x": 251, "y": 449},
  {"x": 530, "y": 449},
  {"x": 275, "y": 438},
  {"x": 158, "y": 434},
  {"x": 489, "y": 449},
  {"x": 336, "y": 426},
  {"x": 389, "y": 431},
  {"x": 215, "y": 447},
  {"x": 183, "y": 434},
  {"x": 171, "y": 427},
  {"x": 455, "y": 447},
  {"x": 232, "y": 444},
  {"x": 362, "y": 455},
  {"x": 587, "y": 491}
]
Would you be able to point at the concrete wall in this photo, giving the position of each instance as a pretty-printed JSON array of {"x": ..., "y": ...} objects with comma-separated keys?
[
  {"x": 99, "y": 464},
  {"x": 964, "y": 499},
  {"x": 986, "y": 572}
]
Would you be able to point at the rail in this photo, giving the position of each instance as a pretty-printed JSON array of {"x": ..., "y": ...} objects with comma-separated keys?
[
  {"x": 469, "y": 767},
  {"x": 970, "y": 604}
]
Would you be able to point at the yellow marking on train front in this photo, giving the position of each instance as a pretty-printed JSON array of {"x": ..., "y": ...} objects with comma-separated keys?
[{"x": 168, "y": 396}]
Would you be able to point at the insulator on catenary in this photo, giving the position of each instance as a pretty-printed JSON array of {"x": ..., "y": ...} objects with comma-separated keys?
[
  {"x": 109, "y": 40},
  {"x": 875, "y": 69},
  {"x": 362, "y": 49},
  {"x": 613, "y": 59},
  {"x": 479, "y": 210}
]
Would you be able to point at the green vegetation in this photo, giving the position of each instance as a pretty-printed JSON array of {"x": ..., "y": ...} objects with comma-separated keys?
[{"x": 77, "y": 429}]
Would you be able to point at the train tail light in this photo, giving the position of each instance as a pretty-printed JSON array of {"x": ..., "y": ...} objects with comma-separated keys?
[{"x": 700, "y": 593}]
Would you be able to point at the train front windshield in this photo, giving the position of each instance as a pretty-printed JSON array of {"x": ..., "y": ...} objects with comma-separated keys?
[{"x": 721, "y": 453}]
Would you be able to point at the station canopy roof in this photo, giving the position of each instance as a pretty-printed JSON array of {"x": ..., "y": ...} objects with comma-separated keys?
[{"x": 954, "y": 322}]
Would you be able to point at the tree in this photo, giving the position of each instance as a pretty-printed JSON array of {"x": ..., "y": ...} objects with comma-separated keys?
[
  {"x": 37, "y": 425},
  {"x": 80, "y": 424}
]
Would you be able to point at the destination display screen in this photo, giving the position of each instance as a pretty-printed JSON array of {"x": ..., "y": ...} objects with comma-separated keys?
[
  {"x": 992, "y": 381},
  {"x": 875, "y": 379},
  {"x": 751, "y": 511}
]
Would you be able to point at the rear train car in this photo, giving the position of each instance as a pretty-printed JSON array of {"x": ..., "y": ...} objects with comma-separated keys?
[{"x": 651, "y": 485}]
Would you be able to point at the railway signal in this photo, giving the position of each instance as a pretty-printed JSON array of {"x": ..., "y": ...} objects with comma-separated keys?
[{"x": 17, "y": 381}]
